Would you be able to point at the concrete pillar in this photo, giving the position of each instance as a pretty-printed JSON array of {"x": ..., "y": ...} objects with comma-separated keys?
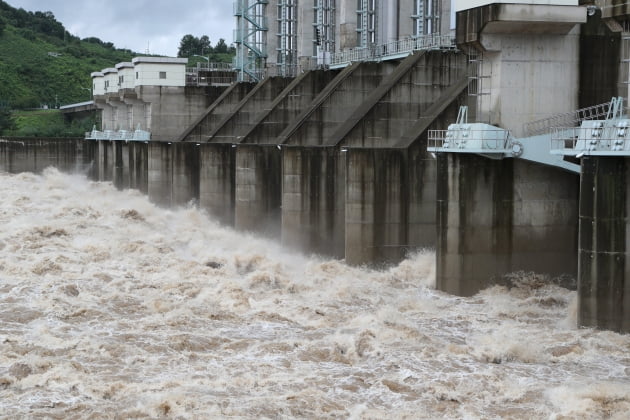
[
  {"x": 258, "y": 195},
  {"x": 313, "y": 201},
  {"x": 500, "y": 216},
  {"x": 120, "y": 116},
  {"x": 185, "y": 169},
  {"x": 108, "y": 117},
  {"x": 105, "y": 160},
  {"x": 138, "y": 165},
  {"x": 604, "y": 299},
  {"x": 160, "y": 173},
  {"x": 137, "y": 116},
  {"x": 217, "y": 181},
  {"x": 383, "y": 186},
  {"x": 90, "y": 155},
  {"x": 120, "y": 154}
]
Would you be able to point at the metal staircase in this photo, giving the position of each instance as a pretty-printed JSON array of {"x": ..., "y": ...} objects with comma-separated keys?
[{"x": 250, "y": 39}]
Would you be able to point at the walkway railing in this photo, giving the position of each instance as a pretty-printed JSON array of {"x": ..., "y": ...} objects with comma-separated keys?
[
  {"x": 569, "y": 119},
  {"x": 599, "y": 139},
  {"x": 128, "y": 135},
  {"x": 393, "y": 49},
  {"x": 469, "y": 140},
  {"x": 208, "y": 74}
]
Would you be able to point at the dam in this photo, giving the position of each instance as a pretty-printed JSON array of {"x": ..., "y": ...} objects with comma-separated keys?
[{"x": 493, "y": 132}]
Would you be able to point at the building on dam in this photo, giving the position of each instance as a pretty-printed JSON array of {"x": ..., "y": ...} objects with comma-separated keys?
[{"x": 494, "y": 132}]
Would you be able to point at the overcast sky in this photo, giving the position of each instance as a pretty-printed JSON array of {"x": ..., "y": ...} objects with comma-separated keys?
[{"x": 138, "y": 24}]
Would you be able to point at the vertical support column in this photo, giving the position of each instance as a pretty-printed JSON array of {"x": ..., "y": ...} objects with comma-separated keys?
[
  {"x": 138, "y": 165},
  {"x": 377, "y": 204},
  {"x": 160, "y": 173},
  {"x": 185, "y": 173},
  {"x": 121, "y": 164},
  {"x": 500, "y": 216},
  {"x": 90, "y": 158},
  {"x": 217, "y": 181},
  {"x": 313, "y": 200},
  {"x": 603, "y": 296},
  {"x": 105, "y": 160},
  {"x": 258, "y": 195}
]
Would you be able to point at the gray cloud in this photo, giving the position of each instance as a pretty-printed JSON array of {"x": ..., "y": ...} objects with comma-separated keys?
[{"x": 138, "y": 24}]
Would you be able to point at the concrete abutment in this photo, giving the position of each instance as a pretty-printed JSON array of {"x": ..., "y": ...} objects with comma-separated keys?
[
  {"x": 604, "y": 250},
  {"x": 496, "y": 217}
]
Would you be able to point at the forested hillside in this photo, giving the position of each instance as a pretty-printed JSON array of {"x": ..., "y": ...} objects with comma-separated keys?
[{"x": 41, "y": 63}]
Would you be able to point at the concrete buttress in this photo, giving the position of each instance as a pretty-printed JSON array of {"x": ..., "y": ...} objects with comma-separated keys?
[
  {"x": 495, "y": 217},
  {"x": 604, "y": 250}
]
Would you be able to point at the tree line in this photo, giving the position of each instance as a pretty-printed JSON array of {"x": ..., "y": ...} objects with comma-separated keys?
[{"x": 191, "y": 46}]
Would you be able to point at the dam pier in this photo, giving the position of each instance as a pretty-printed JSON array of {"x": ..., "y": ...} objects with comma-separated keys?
[{"x": 495, "y": 133}]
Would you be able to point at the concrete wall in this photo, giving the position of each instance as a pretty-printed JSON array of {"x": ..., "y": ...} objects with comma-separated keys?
[
  {"x": 258, "y": 189},
  {"x": 217, "y": 181},
  {"x": 604, "y": 251},
  {"x": 160, "y": 173},
  {"x": 402, "y": 99},
  {"x": 390, "y": 204},
  {"x": 316, "y": 124},
  {"x": 233, "y": 127},
  {"x": 199, "y": 129},
  {"x": 36, "y": 154},
  {"x": 277, "y": 115},
  {"x": 171, "y": 109},
  {"x": 601, "y": 71},
  {"x": 499, "y": 216},
  {"x": 517, "y": 64},
  {"x": 313, "y": 200}
]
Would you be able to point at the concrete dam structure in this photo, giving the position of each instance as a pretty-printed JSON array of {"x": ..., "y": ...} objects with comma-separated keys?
[{"x": 503, "y": 154}]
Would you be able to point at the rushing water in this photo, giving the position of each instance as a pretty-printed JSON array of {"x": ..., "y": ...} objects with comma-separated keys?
[{"x": 113, "y": 307}]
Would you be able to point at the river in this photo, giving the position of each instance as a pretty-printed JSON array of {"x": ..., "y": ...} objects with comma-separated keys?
[{"x": 111, "y": 307}]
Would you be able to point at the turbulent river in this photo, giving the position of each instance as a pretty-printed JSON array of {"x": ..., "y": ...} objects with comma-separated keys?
[{"x": 111, "y": 307}]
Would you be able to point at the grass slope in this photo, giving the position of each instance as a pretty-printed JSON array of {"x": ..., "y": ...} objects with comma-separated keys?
[{"x": 31, "y": 77}]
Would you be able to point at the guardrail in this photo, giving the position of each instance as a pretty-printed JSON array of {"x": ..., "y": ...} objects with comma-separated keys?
[
  {"x": 568, "y": 119},
  {"x": 127, "y": 135},
  {"x": 573, "y": 140},
  {"x": 469, "y": 140},
  {"x": 395, "y": 48}
]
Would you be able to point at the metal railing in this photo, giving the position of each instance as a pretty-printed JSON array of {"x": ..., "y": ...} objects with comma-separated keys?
[
  {"x": 208, "y": 74},
  {"x": 211, "y": 67},
  {"x": 395, "y": 48},
  {"x": 127, "y": 135},
  {"x": 591, "y": 139},
  {"x": 470, "y": 140},
  {"x": 568, "y": 119}
]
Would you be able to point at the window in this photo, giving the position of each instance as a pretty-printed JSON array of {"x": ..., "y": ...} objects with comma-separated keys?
[
  {"x": 366, "y": 22},
  {"x": 120, "y": 80},
  {"x": 426, "y": 17},
  {"x": 106, "y": 84},
  {"x": 162, "y": 75},
  {"x": 136, "y": 75}
]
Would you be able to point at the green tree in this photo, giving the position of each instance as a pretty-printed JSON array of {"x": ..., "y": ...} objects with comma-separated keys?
[
  {"x": 6, "y": 122},
  {"x": 188, "y": 46},
  {"x": 221, "y": 47},
  {"x": 205, "y": 47}
]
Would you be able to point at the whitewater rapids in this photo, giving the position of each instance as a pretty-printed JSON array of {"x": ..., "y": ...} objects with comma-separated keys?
[{"x": 111, "y": 307}]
